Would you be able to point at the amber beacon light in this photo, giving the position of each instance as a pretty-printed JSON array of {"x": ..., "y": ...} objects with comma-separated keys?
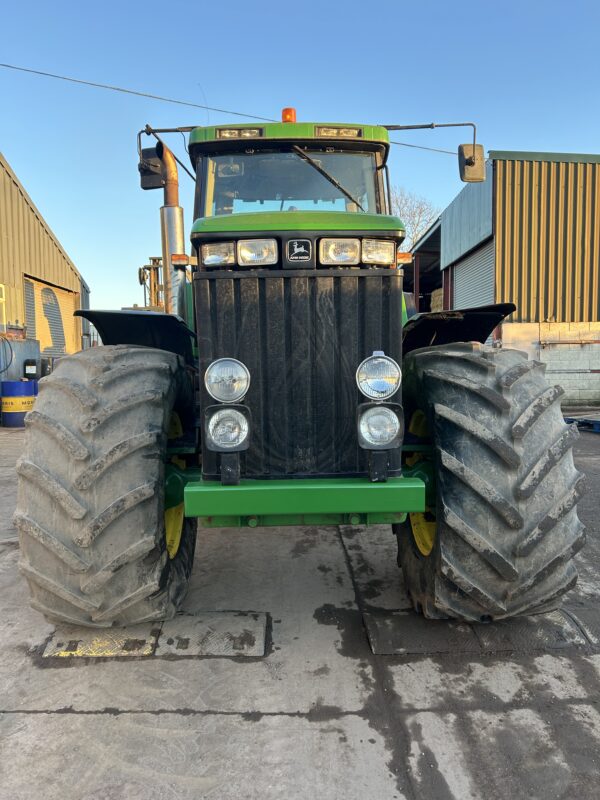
[{"x": 288, "y": 115}]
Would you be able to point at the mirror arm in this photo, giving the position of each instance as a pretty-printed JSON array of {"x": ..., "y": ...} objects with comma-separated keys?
[
  {"x": 149, "y": 131},
  {"x": 432, "y": 125}
]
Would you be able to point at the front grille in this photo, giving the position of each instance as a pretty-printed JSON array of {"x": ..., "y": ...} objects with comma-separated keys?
[{"x": 302, "y": 335}]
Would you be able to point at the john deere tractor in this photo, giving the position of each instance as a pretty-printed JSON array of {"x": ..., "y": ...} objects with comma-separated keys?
[{"x": 284, "y": 384}]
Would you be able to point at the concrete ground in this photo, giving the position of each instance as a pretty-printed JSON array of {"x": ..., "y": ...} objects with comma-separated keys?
[{"x": 474, "y": 715}]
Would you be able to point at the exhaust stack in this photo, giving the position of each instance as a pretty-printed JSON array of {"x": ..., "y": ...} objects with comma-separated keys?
[{"x": 172, "y": 233}]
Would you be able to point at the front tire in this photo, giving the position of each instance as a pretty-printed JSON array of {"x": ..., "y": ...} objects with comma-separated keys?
[
  {"x": 506, "y": 526},
  {"x": 90, "y": 509}
]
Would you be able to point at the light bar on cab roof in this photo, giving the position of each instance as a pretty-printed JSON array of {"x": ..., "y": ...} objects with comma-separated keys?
[
  {"x": 239, "y": 133},
  {"x": 329, "y": 132}
]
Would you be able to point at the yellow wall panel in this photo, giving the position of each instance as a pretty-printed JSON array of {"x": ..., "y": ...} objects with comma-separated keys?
[{"x": 547, "y": 234}]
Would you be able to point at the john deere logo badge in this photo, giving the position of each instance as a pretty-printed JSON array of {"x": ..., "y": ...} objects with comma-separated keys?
[{"x": 299, "y": 250}]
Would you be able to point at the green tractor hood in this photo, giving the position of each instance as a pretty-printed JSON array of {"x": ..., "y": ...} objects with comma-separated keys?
[{"x": 299, "y": 221}]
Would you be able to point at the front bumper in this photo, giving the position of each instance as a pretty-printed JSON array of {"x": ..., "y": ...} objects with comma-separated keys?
[{"x": 325, "y": 501}]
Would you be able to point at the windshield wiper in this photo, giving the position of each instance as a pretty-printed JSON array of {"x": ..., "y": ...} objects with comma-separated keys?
[{"x": 325, "y": 174}]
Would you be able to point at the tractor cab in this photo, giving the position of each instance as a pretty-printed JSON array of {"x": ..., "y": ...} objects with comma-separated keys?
[{"x": 296, "y": 183}]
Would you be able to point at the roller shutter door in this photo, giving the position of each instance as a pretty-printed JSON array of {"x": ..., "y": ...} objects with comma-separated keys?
[
  {"x": 474, "y": 278},
  {"x": 49, "y": 314},
  {"x": 30, "y": 309}
]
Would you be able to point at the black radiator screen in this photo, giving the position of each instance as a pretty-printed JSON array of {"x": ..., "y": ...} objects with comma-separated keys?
[{"x": 302, "y": 335}]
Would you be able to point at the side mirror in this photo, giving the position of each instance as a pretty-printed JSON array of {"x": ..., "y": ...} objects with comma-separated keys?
[
  {"x": 150, "y": 168},
  {"x": 471, "y": 163}
]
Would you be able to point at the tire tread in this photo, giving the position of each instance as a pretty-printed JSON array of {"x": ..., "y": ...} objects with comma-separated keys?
[
  {"x": 89, "y": 510},
  {"x": 502, "y": 449}
]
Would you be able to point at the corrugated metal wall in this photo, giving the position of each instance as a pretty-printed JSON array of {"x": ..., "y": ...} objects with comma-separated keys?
[
  {"x": 547, "y": 232},
  {"x": 474, "y": 278},
  {"x": 29, "y": 248},
  {"x": 2, "y": 308}
]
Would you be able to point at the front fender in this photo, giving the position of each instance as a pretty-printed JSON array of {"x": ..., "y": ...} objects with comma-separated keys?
[
  {"x": 458, "y": 325},
  {"x": 146, "y": 328}
]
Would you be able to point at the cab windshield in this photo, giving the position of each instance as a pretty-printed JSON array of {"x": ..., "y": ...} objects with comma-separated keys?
[{"x": 285, "y": 181}]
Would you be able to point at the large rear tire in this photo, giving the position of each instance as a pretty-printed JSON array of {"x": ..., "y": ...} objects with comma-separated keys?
[
  {"x": 501, "y": 538},
  {"x": 90, "y": 509}
]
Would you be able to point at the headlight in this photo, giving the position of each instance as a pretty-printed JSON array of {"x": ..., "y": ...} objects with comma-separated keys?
[
  {"x": 238, "y": 133},
  {"x": 218, "y": 255},
  {"x": 379, "y": 428},
  {"x": 226, "y": 429},
  {"x": 227, "y": 380},
  {"x": 328, "y": 132},
  {"x": 376, "y": 251},
  {"x": 339, "y": 251},
  {"x": 228, "y": 133},
  {"x": 378, "y": 377},
  {"x": 257, "y": 252}
]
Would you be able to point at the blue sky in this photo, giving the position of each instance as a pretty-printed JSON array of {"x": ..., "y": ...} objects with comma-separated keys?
[{"x": 526, "y": 72}]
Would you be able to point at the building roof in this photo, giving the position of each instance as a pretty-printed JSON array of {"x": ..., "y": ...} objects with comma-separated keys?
[
  {"x": 42, "y": 222},
  {"x": 524, "y": 155},
  {"x": 430, "y": 240}
]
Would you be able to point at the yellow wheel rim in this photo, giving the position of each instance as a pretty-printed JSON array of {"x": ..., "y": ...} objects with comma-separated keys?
[
  {"x": 418, "y": 425},
  {"x": 423, "y": 526},
  {"x": 173, "y": 529},
  {"x": 423, "y": 531},
  {"x": 174, "y": 516}
]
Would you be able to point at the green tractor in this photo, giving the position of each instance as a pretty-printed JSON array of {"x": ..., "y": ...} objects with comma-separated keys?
[{"x": 285, "y": 385}]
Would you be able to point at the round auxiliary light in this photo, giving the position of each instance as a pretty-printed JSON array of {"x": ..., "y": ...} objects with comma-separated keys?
[
  {"x": 227, "y": 380},
  {"x": 379, "y": 426},
  {"x": 228, "y": 428},
  {"x": 378, "y": 377}
]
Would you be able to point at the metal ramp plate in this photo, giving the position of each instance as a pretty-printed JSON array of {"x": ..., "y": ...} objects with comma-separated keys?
[
  {"x": 70, "y": 642},
  {"x": 402, "y": 633},
  {"x": 214, "y": 633},
  {"x": 211, "y": 633}
]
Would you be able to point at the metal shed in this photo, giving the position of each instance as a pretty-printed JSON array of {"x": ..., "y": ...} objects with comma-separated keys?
[
  {"x": 530, "y": 234},
  {"x": 40, "y": 287}
]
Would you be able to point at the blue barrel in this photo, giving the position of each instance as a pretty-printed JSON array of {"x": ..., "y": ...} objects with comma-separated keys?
[{"x": 17, "y": 398}]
